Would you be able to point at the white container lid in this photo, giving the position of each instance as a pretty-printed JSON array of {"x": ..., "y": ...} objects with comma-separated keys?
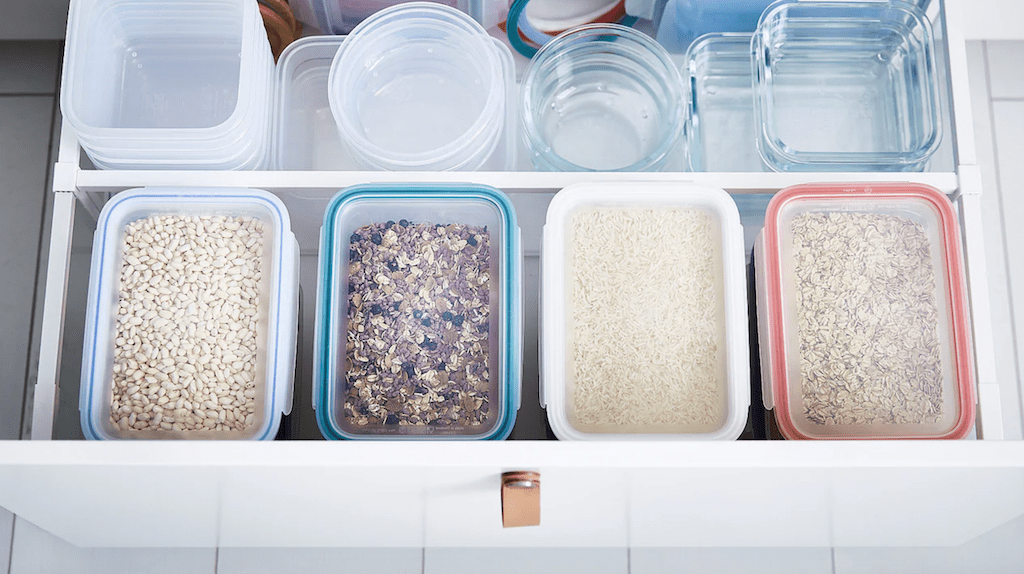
[
  {"x": 557, "y": 313},
  {"x": 276, "y": 319}
]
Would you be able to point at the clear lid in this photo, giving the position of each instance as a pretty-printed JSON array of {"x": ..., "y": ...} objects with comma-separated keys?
[
  {"x": 419, "y": 331},
  {"x": 866, "y": 315}
]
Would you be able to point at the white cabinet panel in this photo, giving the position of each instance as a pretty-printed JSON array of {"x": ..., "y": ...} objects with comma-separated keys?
[{"x": 358, "y": 494}]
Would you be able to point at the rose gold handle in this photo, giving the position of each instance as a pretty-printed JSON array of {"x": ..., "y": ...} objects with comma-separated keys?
[{"x": 520, "y": 499}]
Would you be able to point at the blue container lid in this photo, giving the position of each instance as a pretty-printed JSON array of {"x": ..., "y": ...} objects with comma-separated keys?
[{"x": 400, "y": 350}]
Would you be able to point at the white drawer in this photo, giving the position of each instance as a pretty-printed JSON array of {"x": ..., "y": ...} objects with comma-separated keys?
[{"x": 315, "y": 493}]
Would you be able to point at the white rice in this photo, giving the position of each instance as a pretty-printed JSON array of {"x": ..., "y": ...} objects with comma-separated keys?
[{"x": 646, "y": 321}]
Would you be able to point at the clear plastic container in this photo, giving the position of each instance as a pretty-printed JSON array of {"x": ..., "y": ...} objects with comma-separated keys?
[
  {"x": 683, "y": 21},
  {"x": 277, "y": 308},
  {"x": 720, "y": 129},
  {"x": 340, "y": 16},
  {"x": 845, "y": 86},
  {"x": 454, "y": 372},
  {"x": 862, "y": 314},
  {"x": 717, "y": 345},
  {"x": 421, "y": 86},
  {"x": 168, "y": 85},
  {"x": 305, "y": 133},
  {"x": 602, "y": 97}
]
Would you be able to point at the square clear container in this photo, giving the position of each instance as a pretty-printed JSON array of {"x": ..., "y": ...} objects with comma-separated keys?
[
  {"x": 732, "y": 360},
  {"x": 434, "y": 204},
  {"x": 721, "y": 131},
  {"x": 845, "y": 86},
  {"x": 305, "y": 135},
  {"x": 844, "y": 415},
  {"x": 168, "y": 85},
  {"x": 277, "y": 314}
]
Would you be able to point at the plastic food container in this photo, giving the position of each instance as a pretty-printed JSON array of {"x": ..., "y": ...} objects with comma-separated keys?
[
  {"x": 419, "y": 314},
  {"x": 190, "y": 93},
  {"x": 462, "y": 114},
  {"x": 276, "y": 314},
  {"x": 862, "y": 314},
  {"x": 339, "y": 17},
  {"x": 847, "y": 86},
  {"x": 305, "y": 135},
  {"x": 685, "y": 20},
  {"x": 644, "y": 327},
  {"x": 720, "y": 129},
  {"x": 602, "y": 97}
]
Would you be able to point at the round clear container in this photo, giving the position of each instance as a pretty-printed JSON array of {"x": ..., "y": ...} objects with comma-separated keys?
[
  {"x": 602, "y": 97},
  {"x": 419, "y": 86}
]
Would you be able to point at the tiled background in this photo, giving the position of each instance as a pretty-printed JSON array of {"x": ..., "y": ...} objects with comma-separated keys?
[{"x": 28, "y": 121}]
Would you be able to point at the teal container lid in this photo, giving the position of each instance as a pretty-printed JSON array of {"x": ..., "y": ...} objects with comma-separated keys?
[{"x": 392, "y": 380}]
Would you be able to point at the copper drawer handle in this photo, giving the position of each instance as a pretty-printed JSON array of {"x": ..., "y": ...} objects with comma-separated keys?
[{"x": 520, "y": 499}]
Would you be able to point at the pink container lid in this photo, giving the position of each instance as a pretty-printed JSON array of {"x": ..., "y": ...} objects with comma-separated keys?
[{"x": 932, "y": 213}]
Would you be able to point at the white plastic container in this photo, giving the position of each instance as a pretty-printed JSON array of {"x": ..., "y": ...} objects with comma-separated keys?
[
  {"x": 462, "y": 114},
  {"x": 168, "y": 85},
  {"x": 277, "y": 312},
  {"x": 732, "y": 383}
]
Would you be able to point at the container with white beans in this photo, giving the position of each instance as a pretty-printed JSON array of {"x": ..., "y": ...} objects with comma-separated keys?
[{"x": 192, "y": 314}]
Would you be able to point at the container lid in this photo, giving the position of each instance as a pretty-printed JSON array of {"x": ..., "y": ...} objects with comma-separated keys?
[
  {"x": 419, "y": 320},
  {"x": 670, "y": 377},
  {"x": 276, "y": 318},
  {"x": 866, "y": 313}
]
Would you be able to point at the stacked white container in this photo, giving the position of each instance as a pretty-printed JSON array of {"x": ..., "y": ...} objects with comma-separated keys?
[{"x": 169, "y": 84}]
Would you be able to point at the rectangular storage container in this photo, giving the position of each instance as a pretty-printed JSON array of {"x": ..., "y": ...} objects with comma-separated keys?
[
  {"x": 862, "y": 313},
  {"x": 419, "y": 327},
  {"x": 707, "y": 393},
  {"x": 305, "y": 135},
  {"x": 276, "y": 313},
  {"x": 721, "y": 132},
  {"x": 846, "y": 86}
]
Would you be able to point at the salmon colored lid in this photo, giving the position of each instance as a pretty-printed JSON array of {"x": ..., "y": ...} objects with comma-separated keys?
[{"x": 934, "y": 213}]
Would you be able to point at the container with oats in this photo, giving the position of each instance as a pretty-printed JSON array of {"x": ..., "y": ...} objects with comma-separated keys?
[
  {"x": 862, "y": 314},
  {"x": 419, "y": 326},
  {"x": 192, "y": 316},
  {"x": 644, "y": 314}
]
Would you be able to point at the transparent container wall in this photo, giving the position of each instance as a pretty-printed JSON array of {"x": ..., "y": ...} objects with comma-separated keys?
[
  {"x": 917, "y": 212},
  {"x": 134, "y": 65},
  {"x": 412, "y": 317},
  {"x": 721, "y": 121},
  {"x": 845, "y": 87}
]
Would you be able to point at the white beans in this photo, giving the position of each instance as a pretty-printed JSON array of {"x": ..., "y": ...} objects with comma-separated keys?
[{"x": 185, "y": 346}]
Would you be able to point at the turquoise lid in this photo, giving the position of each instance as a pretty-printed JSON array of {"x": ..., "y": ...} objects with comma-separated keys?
[{"x": 418, "y": 314}]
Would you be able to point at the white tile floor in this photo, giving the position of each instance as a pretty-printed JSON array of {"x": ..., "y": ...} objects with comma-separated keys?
[{"x": 28, "y": 80}]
